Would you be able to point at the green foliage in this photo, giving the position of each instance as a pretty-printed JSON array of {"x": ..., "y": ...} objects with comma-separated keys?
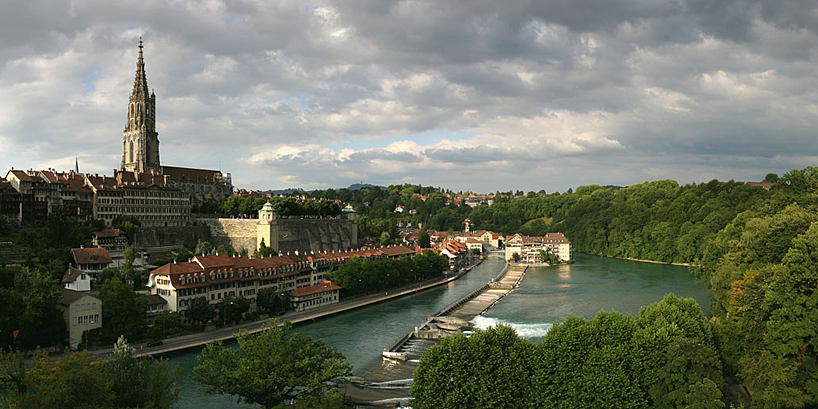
[
  {"x": 231, "y": 309},
  {"x": 146, "y": 383},
  {"x": 761, "y": 268},
  {"x": 771, "y": 178},
  {"x": 270, "y": 367},
  {"x": 128, "y": 224},
  {"x": 166, "y": 325},
  {"x": 665, "y": 357},
  {"x": 358, "y": 276},
  {"x": 31, "y": 305},
  {"x": 264, "y": 251},
  {"x": 79, "y": 381},
  {"x": 200, "y": 310},
  {"x": 55, "y": 385},
  {"x": 271, "y": 301},
  {"x": 249, "y": 206},
  {"x": 424, "y": 241},
  {"x": 123, "y": 309},
  {"x": 486, "y": 370}
]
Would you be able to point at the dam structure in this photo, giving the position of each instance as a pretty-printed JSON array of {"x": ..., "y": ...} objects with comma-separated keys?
[{"x": 453, "y": 318}]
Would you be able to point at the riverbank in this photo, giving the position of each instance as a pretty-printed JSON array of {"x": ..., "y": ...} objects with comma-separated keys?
[
  {"x": 643, "y": 261},
  {"x": 181, "y": 343}
]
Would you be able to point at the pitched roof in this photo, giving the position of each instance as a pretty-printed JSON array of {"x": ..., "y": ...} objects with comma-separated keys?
[
  {"x": 155, "y": 299},
  {"x": 21, "y": 175},
  {"x": 69, "y": 296},
  {"x": 71, "y": 275},
  {"x": 321, "y": 287},
  {"x": 190, "y": 174},
  {"x": 91, "y": 256}
]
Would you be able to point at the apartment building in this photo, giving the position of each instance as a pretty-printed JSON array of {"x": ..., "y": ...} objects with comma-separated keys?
[{"x": 218, "y": 276}]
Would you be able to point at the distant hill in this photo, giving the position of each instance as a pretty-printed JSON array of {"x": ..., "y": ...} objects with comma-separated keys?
[
  {"x": 291, "y": 190},
  {"x": 358, "y": 186},
  {"x": 287, "y": 191}
]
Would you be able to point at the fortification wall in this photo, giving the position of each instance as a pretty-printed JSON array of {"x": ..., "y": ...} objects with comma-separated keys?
[
  {"x": 315, "y": 234},
  {"x": 150, "y": 237},
  {"x": 236, "y": 233},
  {"x": 293, "y": 234}
]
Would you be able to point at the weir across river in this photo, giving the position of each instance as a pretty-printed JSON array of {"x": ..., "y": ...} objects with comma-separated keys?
[{"x": 453, "y": 318}]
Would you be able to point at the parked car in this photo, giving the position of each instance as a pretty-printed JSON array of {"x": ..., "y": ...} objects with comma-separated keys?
[
  {"x": 154, "y": 343},
  {"x": 280, "y": 313}
]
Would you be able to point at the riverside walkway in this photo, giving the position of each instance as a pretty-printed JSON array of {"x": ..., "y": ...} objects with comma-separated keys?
[{"x": 200, "y": 339}]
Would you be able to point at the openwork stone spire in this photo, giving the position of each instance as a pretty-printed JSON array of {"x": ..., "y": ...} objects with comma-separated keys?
[{"x": 140, "y": 141}]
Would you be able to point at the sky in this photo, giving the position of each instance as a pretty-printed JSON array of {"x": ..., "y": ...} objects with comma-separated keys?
[{"x": 467, "y": 95}]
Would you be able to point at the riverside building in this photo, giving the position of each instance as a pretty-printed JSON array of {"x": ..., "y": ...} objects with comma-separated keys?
[
  {"x": 218, "y": 276},
  {"x": 529, "y": 247}
]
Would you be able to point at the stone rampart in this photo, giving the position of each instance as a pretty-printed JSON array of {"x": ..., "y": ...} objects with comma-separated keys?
[
  {"x": 315, "y": 234},
  {"x": 293, "y": 234},
  {"x": 236, "y": 233},
  {"x": 146, "y": 238}
]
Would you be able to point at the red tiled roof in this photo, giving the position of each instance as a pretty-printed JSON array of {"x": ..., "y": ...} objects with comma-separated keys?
[
  {"x": 321, "y": 287},
  {"x": 190, "y": 174},
  {"x": 102, "y": 182},
  {"x": 22, "y": 175},
  {"x": 71, "y": 275},
  {"x": 252, "y": 268},
  {"x": 558, "y": 238},
  {"x": 765, "y": 185},
  {"x": 91, "y": 256}
]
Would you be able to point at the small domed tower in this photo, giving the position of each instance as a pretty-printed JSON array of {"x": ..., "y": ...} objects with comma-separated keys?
[{"x": 267, "y": 227}]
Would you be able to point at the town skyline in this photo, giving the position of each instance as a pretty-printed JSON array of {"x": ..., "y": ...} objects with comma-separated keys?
[{"x": 464, "y": 96}]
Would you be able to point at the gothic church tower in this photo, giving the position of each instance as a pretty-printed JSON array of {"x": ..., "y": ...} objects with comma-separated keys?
[{"x": 140, "y": 141}]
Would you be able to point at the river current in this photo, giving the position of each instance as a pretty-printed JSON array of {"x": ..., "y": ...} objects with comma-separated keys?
[{"x": 546, "y": 295}]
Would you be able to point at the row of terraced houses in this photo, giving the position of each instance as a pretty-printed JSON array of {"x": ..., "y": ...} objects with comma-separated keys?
[{"x": 215, "y": 277}]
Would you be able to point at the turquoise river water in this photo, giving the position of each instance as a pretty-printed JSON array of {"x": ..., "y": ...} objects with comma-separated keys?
[{"x": 546, "y": 295}]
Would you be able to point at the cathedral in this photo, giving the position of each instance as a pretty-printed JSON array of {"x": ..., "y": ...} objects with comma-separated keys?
[{"x": 140, "y": 146}]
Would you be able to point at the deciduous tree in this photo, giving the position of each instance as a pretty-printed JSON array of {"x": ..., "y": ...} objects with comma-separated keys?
[{"x": 270, "y": 367}]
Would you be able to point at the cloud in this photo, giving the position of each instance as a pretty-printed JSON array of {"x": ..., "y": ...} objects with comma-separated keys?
[{"x": 321, "y": 94}]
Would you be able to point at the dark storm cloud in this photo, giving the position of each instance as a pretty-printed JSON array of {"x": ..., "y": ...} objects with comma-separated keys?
[{"x": 266, "y": 87}]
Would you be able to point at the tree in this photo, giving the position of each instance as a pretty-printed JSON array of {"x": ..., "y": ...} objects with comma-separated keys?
[
  {"x": 128, "y": 224},
  {"x": 231, "y": 309},
  {"x": 771, "y": 178},
  {"x": 516, "y": 257},
  {"x": 57, "y": 385},
  {"x": 270, "y": 367},
  {"x": 32, "y": 306},
  {"x": 424, "y": 241},
  {"x": 271, "y": 301},
  {"x": 141, "y": 383},
  {"x": 490, "y": 369},
  {"x": 123, "y": 309},
  {"x": 165, "y": 325},
  {"x": 200, "y": 310},
  {"x": 264, "y": 251}
]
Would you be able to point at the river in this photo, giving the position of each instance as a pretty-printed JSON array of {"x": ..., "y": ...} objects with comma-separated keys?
[{"x": 546, "y": 295}]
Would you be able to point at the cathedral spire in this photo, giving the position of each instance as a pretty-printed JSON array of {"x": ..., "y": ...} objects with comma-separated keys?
[
  {"x": 140, "y": 142},
  {"x": 140, "y": 82}
]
